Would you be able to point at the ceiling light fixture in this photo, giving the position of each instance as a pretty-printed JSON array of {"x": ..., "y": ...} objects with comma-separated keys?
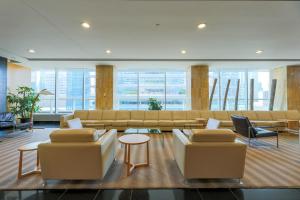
[
  {"x": 85, "y": 25},
  {"x": 31, "y": 50},
  {"x": 108, "y": 51},
  {"x": 201, "y": 26},
  {"x": 183, "y": 51},
  {"x": 259, "y": 51}
]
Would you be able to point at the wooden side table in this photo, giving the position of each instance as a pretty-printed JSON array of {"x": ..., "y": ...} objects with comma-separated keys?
[
  {"x": 134, "y": 139},
  {"x": 29, "y": 147}
]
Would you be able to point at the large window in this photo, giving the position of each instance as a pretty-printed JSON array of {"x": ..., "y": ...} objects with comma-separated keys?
[
  {"x": 74, "y": 89},
  {"x": 135, "y": 88},
  {"x": 261, "y": 88}
]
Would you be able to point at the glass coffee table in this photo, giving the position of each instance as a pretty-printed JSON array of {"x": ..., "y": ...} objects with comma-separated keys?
[{"x": 147, "y": 131}]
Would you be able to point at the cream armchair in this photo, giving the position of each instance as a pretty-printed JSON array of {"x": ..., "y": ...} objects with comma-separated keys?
[
  {"x": 77, "y": 154},
  {"x": 209, "y": 154}
]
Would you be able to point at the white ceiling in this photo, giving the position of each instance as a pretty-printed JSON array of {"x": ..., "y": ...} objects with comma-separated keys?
[{"x": 235, "y": 30}]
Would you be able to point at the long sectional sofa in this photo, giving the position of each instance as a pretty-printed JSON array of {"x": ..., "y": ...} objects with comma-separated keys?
[{"x": 168, "y": 120}]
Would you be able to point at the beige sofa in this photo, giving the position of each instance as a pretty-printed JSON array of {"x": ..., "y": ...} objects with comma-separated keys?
[
  {"x": 209, "y": 154},
  {"x": 168, "y": 120},
  {"x": 77, "y": 154}
]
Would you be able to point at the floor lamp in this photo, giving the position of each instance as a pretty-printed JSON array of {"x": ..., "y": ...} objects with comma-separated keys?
[{"x": 42, "y": 92}]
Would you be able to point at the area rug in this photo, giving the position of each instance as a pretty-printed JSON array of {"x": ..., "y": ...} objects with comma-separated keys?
[{"x": 266, "y": 167}]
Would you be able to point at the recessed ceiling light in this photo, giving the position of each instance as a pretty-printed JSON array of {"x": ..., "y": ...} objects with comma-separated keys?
[
  {"x": 85, "y": 25},
  {"x": 31, "y": 50},
  {"x": 259, "y": 51},
  {"x": 202, "y": 26},
  {"x": 183, "y": 51},
  {"x": 108, "y": 51}
]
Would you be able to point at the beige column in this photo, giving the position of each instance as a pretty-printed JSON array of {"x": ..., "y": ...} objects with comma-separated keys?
[
  {"x": 199, "y": 87},
  {"x": 104, "y": 87},
  {"x": 293, "y": 87}
]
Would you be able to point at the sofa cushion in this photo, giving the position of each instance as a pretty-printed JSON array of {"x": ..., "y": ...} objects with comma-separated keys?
[
  {"x": 264, "y": 115},
  {"x": 166, "y": 123},
  {"x": 250, "y": 114},
  {"x": 150, "y": 123},
  {"x": 212, "y": 135},
  {"x": 106, "y": 122},
  {"x": 137, "y": 115},
  {"x": 206, "y": 114},
  {"x": 81, "y": 114},
  {"x": 74, "y": 123},
  {"x": 165, "y": 115},
  {"x": 94, "y": 115},
  {"x": 221, "y": 115},
  {"x": 226, "y": 123},
  {"x": 230, "y": 113},
  {"x": 179, "y": 115},
  {"x": 119, "y": 123},
  {"x": 292, "y": 115},
  {"x": 90, "y": 121},
  {"x": 108, "y": 115},
  {"x": 269, "y": 123},
  {"x": 278, "y": 115},
  {"x": 193, "y": 114},
  {"x": 151, "y": 115},
  {"x": 123, "y": 115},
  {"x": 74, "y": 135},
  {"x": 135, "y": 123},
  {"x": 180, "y": 122}
]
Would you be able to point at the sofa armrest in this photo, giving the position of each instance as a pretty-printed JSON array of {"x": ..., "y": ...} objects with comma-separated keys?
[
  {"x": 64, "y": 119},
  {"x": 108, "y": 143},
  {"x": 180, "y": 142}
]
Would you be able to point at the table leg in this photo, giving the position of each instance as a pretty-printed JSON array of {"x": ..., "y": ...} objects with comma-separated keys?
[
  {"x": 20, "y": 164},
  {"x": 148, "y": 153},
  {"x": 125, "y": 154},
  {"x": 128, "y": 162},
  {"x": 37, "y": 160}
]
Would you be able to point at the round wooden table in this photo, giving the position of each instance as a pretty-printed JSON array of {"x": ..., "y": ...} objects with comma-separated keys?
[
  {"x": 29, "y": 147},
  {"x": 134, "y": 139}
]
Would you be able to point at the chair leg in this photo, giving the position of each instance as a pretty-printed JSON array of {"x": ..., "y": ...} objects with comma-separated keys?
[
  {"x": 249, "y": 140},
  {"x": 277, "y": 141}
]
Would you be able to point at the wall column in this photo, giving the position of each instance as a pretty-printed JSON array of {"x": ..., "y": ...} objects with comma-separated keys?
[
  {"x": 293, "y": 87},
  {"x": 199, "y": 87},
  {"x": 3, "y": 83},
  {"x": 104, "y": 87}
]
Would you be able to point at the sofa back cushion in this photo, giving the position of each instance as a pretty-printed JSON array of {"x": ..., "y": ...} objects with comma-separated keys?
[
  {"x": 206, "y": 114},
  {"x": 233, "y": 112},
  {"x": 109, "y": 115},
  {"x": 137, "y": 115},
  {"x": 210, "y": 135},
  {"x": 74, "y": 123},
  {"x": 123, "y": 115},
  {"x": 179, "y": 115},
  {"x": 165, "y": 115},
  {"x": 94, "y": 115},
  {"x": 81, "y": 114},
  {"x": 278, "y": 115},
  {"x": 221, "y": 115},
  {"x": 250, "y": 114},
  {"x": 292, "y": 115},
  {"x": 74, "y": 135},
  {"x": 151, "y": 115},
  {"x": 264, "y": 115},
  {"x": 193, "y": 114}
]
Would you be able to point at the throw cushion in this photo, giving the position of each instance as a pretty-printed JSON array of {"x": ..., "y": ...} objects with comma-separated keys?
[
  {"x": 74, "y": 123},
  {"x": 210, "y": 135}
]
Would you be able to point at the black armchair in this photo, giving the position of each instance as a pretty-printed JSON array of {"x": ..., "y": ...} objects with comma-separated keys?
[
  {"x": 247, "y": 129},
  {"x": 7, "y": 120}
]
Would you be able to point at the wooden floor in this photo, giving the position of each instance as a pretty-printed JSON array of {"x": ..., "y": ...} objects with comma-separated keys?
[{"x": 266, "y": 167}]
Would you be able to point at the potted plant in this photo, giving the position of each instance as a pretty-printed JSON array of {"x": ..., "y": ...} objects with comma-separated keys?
[
  {"x": 23, "y": 103},
  {"x": 154, "y": 104}
]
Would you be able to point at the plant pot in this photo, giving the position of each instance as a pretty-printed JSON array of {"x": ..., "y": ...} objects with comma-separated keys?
[{"x": 24, "y": 120}]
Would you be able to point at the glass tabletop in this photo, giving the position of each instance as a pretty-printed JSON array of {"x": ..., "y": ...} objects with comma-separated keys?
[{"x": 142, "y": 131}]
